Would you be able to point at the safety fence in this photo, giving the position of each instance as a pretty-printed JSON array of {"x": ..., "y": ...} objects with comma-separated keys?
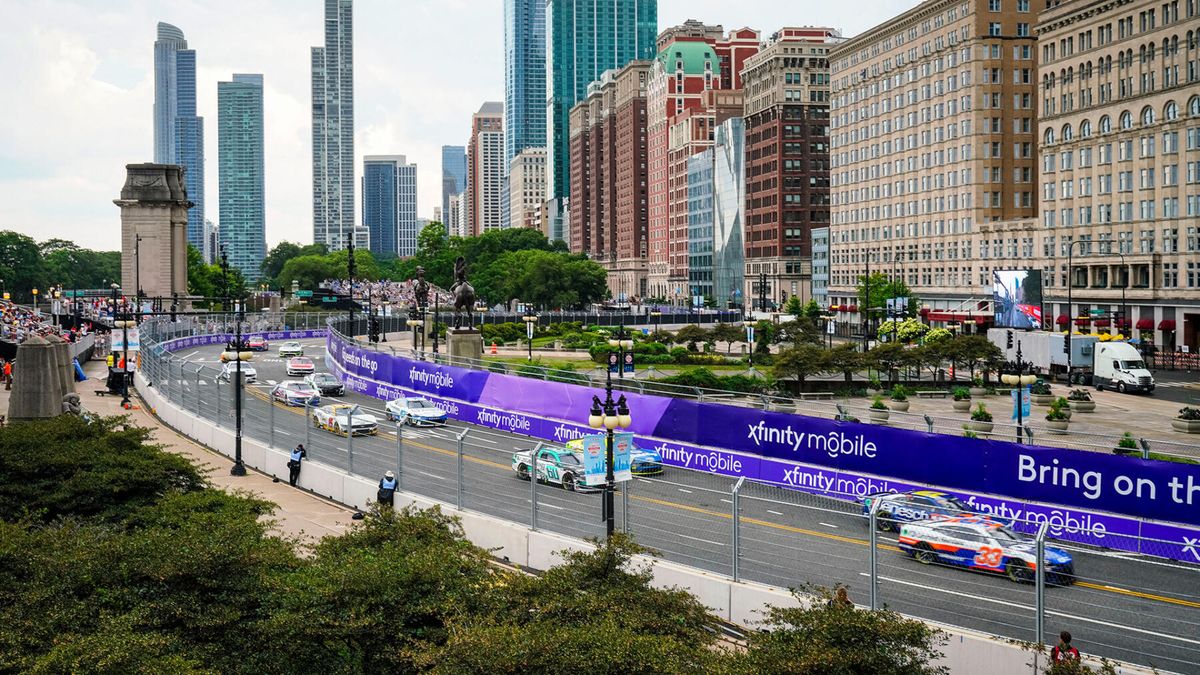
[{"x": 1128, "y": 607}]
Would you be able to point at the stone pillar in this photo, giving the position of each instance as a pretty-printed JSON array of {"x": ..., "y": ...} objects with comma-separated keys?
[
  {"x": 463, "y": 344},
  {"x": 64, "y": 363},
  {"x": 154, "y": 207},
  {"x": 36, "y": 392}
]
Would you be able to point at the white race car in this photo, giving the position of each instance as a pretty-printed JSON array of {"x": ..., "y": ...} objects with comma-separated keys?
[
  {"x": 300, "y": 365},
  {"x": 295, "y": 392},
  {"x": 338, "y": 417},
  {"x": 292, "y": 348},
  {"x": 229, "y": 369},
  {"x": 982, "y": 544},
  {"x": 416, "y": 411}
]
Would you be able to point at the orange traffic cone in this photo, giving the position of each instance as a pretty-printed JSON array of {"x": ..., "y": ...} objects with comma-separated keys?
[{"x": 493, "y": 347}]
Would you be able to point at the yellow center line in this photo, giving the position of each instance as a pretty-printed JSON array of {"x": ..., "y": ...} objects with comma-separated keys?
[{"x": 785, "y": 528}]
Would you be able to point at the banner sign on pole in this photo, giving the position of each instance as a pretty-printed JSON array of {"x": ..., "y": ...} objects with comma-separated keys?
[
  {"x": 118, "y": 340},
  {"x": 622, "y": 452},
  {"x": 593, "y": 459},
  {"x": 629, "y": 362},
  {"x": 1025, "y": 399}
]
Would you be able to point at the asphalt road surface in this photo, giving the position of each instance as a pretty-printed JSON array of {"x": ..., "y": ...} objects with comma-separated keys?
[{"x": 1134, "y": 608}]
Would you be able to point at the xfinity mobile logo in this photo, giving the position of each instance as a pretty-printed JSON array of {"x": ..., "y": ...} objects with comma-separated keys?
[
  {"x": 833, "y": 444},
  {"x": 498, "y": 420},
  {"x": 437, "y": 379},
  {"x": 564, "y": 433}
]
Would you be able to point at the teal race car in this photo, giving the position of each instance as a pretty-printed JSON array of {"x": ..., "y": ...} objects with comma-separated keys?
[{"x": 555, "y": 465}]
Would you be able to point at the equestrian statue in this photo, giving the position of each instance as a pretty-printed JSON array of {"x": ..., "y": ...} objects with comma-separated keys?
[{"x": 464, "y": 294}]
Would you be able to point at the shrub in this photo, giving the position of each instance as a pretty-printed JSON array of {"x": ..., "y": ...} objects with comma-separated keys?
[
  {"x": 1041, "y": 388},
  {"x": 1079, "y": 395},
  {"x": 706, "y": 379},
  {"x": 981, "y": 414},
  {"x": 962, "y": 394},
  {"x": 1190, "y": 414},
  {"x": 968, "y": 432},
  {"x": 1056, "y": 413},
  {"x": 1127, "y": 445},
  {"x": 899, "y": 393},
  {"x": 878, "y": 404},
  {"x": 977, "y": 382}
]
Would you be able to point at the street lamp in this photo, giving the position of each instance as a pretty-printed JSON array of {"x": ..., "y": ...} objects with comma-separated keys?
[
  {"x": 1022, "y": 379},
  {"x": 609, "y": 415},
  {"x": 35, "y": 294},
  {"x": 414, "y": 320},
  {"x": 620, "y": 340},
  {"x": 749, "y": 326},
  {"x": 529, "y": 324},
  {"x": 1124, "y": 285},
  {"x": 1070, "y": 302},
  {"x": 239, "y": 354},
  {"x": 350, "y": 273},
  {"x": 123, "y": 324},
  {"x": 828, "y": 318},
  {"x": 137, "y": 274},
  {"x": 386, "y": 313},
  {"x": 657, "y": 321}
]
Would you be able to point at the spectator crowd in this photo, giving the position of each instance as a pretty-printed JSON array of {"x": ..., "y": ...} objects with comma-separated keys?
[{"x": 400, "y": 295}]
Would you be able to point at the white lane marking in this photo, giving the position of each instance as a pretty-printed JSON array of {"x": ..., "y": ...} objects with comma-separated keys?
[
  {"x": 189, "y": 356},
  {"x": 282, "y": 432},
  {"x": 431, "y": 475},
  {"x": 1017, "y": 605},
  {"x": 203, "y": 381},
  {"x": 272, "y": 382},
  {"x": 828, "y": 525},
  {"x": 775, "y": 512},
  {"x": 726, "y": 501},
  {"x": 707, "y": 541},
  {"x": 552, "y": 506},
  {"x": 687, "y": 491}
]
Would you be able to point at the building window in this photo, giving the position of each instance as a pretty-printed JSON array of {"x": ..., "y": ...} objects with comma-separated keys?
[{"x": 994, "y": 29}]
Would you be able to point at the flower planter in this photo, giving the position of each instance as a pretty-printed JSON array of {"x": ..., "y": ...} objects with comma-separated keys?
[
  {"x": 1041, "y": 399},
  {"x": 962, "y": 406},
  {"x": 1186, "y": 426},
  {"x": 1082, "y": 406},
  {"x": 978, "y": 392},
  {"x": 1057, "y": 426},
  {"x": 899, "y": 406},
  {"x": 878, "y": 416},
  {"x": 981, "y": 427}
]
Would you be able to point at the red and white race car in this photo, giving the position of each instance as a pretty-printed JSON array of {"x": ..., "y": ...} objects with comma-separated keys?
[
  {"x": 256, "y": 344},
  {"x": 300, "y": 365}
]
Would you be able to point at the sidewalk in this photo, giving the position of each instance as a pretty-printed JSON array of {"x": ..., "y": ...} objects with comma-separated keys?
[{"x": 298, "y": 513}]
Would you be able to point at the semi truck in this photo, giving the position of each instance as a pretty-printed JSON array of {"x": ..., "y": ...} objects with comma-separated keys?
[{"x": 1106, "y": 365}]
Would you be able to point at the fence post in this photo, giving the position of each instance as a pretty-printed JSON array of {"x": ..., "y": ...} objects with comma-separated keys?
[
  {"x": 459, "y": 495},
  {"x": 929, "y": 423},
  {"x": 1040, "y": 582},
  {"x": 625, "y": 505},
  {"x": 533, "y": 481},
  {"x": 350, "y": 441},
  {"x": 197, "y": 373},
  {"x": 1145, "y": 448},
  {"x": 271, "y": 421},
  {"x": 400, "y": 454},
  {"x": 874, "y": 552},
  {"x": 737, "y": 526},
  {"x": 307, "y": 423}
]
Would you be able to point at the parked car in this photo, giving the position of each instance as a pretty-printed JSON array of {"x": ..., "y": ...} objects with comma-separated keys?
[
  {"x": 415, "y": 411},
  {"x": 327, "y": 384},
  {"x": 300, "y": 365},
  {"x": 295, "y": 392},
  {"x": 249, "y": 374},
  {"x": 339, "y": 417},
  {"x": 291, "y": 348}
]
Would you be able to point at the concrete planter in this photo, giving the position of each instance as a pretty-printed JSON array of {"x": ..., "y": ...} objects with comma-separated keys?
[
  {"x": 981, "y": 427},
  {"x": 1041, "y": 399},
  {"x": 978, "y": 392},
  {"x": 962, "y": 406},
  {"x": 878, "y": 416},
  {"x": 1057, "y": 426},
  {"x": 1082, "y": 406},
  {"x": 1186, "y": 426},
  {"x": 898, "y": 406}
]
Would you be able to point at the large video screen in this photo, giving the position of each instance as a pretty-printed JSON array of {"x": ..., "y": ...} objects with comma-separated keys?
[{"x": 1017, "y": 298}]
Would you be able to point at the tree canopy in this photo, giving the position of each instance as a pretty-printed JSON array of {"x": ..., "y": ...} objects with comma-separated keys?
[{"x": 25, "y": 265}]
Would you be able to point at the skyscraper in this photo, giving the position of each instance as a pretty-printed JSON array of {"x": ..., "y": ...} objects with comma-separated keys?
[
  {"x": 486, "y": 170},
  {"x": 333, "y": 130},
  {"x": 524, "y": 76},
  {"x": 389, "y": 188},
  {"x": 178, "y": 132},
  {"x": 454, "y": 175},
  {"x": 241, "y": 174},
  {"x": 584, "y": 38}
]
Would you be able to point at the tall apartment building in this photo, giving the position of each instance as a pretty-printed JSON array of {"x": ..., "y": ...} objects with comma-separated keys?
[
  {"x": 454, "y": 174},
  {"x": 584, "y": 38},
  {"x": 786, "y": 89},
  {"x": 693, "y": 59},
  {"x": 333, "y": 131},
  {"x": 700, "y": 227},
  {"x": 1119, "y": 160},
  {"x": 608, "y": 205},
  {"x": 527, "y": 187},
  {"x": 389, "y": 189},
  {"x": 524, "y": 76},
  {"x": 932, "y": 136},
  {"x": 178, "y": 131},
  {"x": 240, "y": 168},
  {"x": 456, "y": 221},
  {"x": 485, "y": 170}
]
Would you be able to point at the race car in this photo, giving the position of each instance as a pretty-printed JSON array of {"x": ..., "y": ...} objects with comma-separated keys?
[
  {"x": 325, "y": 383},
  {"x": 249, "y": 374},
  {"x": 983, "y": 544},
  {"x": 300, "y": 365},
  {"x": 295, "y": 392},
  {"x": 415, "y": 411},
  {"x": 338, "y": 417},
  {"x": 256, "y": 344},
  {"x": 292, "y": 348},
  {"x": 554, "y": 465},
  {"x": 642, "y": 462},
  {"x": 901, "y": 507}
]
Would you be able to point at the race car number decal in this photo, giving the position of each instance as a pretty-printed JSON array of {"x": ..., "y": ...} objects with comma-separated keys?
[
  {"x": 552, "y": 471},
  {"x": 989, "y": 556}
]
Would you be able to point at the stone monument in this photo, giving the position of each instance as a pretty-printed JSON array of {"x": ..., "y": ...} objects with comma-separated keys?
[
  {"x": 37, "y": 390},
  {"x": 154, "y": 207},
  {"x": 463, "y": 342}
]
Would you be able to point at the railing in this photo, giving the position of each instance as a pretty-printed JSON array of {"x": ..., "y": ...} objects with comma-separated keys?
[{"x": 748, "y": 530}]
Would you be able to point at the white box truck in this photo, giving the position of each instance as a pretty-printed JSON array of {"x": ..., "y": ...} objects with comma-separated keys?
[
  {"x": 1044, "y": 350},
  {"x": 1119, "y": 366}
]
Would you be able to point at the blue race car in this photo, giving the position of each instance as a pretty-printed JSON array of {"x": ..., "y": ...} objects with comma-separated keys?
[
  {"x": 914, "y": 505},
  {"x": 983, "y": 544},
  {"x": 642, "y": 461}
]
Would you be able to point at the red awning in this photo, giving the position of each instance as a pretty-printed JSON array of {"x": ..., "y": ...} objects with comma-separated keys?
[
  {"x": 1062, "y": 320},
  {"x": 1101, "y": 323},
  {"x": 980, "y": 320},
  {"x": 853, "y": 309},
  {"x": 937, "y": 315},
  {"x": 1167, "y": 324},
  {"x": 1122, "y": 323},
  {"x": 924, "y": 311},
  {"x": 1082, "y": 321},
  {"x": 1145, "y": 324}
]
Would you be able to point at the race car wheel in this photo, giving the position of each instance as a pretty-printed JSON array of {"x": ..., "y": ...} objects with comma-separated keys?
[
  {"x": 568, "y": 482},
  {"x": 925, "y": 554},
  {"x": 522, "y": 472},
  {"x": 1018, "y": 571},
  {"x": 884, "y": 523}
]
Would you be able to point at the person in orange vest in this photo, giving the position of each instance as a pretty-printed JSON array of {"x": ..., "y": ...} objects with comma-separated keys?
[{"x": 8, "y": 374}]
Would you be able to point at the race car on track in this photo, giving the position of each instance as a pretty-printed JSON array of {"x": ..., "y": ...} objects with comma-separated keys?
[
  {"x": 338, "y": 417},
  {"x": 642, "y": 462},
  {"x": 256, "y": 344},
  {"x": 415, "y": 411},
  {"x": 300, "y": 365},
  {"x": 914, "y": 505},
  {"x": 292, "y": 348},
  {"x": 559, "y": 466},
  {"x": 983, "y": 544},
  {"x": 325, "y": 383},
  {"x": 295, "y": 392},
  {"x": 249, "y": 374}
]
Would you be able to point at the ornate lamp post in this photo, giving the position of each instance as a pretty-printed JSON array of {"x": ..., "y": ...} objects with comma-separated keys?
[
  {"x": 238, "y": 354},
  {"x": 609, "y": 415},
  {"x": 123, "y": 324},
  {"x": 35, "y": 294},
  {"x": 530, "y": 321},
  {"x": 657, "y": 319},
  {"x": 1022, "y": 379},
  {"x": 621, "y": 341},
  {"x": 414, "y": 320}
]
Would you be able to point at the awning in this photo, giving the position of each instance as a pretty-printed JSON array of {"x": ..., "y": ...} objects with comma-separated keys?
[
  {"x": 939, "y": 315},
  {"x": 853, "y": 309},
  {"x": 1167, "y": 324},
  {"x": 924, "y": 311},
  {"x": 980, "y": 320},
  {"x": 1102, "y": 323},
  {"x": 1082, "y": 320},
  {"x": 1122, "y": 323},
  {"x": 1062, "y": 320},
  {"x": 1145, "y": 324}
]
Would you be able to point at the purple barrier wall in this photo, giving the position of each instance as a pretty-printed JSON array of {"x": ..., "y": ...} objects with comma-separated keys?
[{"x": 495, "y": 401}]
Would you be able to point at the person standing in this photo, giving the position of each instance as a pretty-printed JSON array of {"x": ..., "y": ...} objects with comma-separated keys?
[
  {"x": 1063, "y": 651},
  {"x": 8, "y": 375},
  {"x": 299, "y": 454},
  {"x": 387, "y": 489}
]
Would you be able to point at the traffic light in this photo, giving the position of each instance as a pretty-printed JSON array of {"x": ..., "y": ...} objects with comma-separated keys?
[
  {"x": 373, "y": 329},
  {"x": 1067, "y": 342},
  {"x": 1009, "y": 340}
]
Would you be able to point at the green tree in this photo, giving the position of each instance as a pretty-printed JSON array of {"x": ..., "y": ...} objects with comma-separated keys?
[
  {"x": 432, "y": 240},
  {"x": 847, "y": 359},
  {"x": 20, "y": 266},
  {"x": 277, "y": 257},
  {"x": 307, "y": 270},
  {"x": 690, "y": 335},
  {"x": 890, "y": 357},
  {"x": 883, "y": 289},
  {"x": 728, "y": 333},
  {"x": 800, "y": 361},
  {"x": 793, "y": 306}
]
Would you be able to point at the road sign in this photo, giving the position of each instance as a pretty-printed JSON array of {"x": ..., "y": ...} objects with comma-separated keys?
[{"x": 829, "y": 327}]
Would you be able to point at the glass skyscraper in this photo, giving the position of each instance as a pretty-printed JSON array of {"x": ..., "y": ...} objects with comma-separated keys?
[
  {"x": 524, "y": 76},
  {"x": 729, "y": 199},
  {"x": 333, "y": 130},
  {"x": 241, "y": 174},
  {"x": 389, "y": 188},
  {"x": 454, "y": 176},
  {"x": 178, "y": 132},
  {"x": 584, "y": 38}
]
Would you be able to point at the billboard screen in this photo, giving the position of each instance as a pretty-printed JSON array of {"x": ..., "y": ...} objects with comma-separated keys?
[{"x": 1017, "y": 298}]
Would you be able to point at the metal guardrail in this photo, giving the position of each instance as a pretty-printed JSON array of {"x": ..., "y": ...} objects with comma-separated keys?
[{"x": 748, "y": 530}]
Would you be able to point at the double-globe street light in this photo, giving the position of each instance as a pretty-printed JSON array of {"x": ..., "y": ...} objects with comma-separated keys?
[
  {"x": 123, "y": 324},
  {"x": 415, "y": 320},
  {"x": 530, "y": 322},
  {"x": 238, "y": 353},
  {"x": 609, "y": 415},
  {"x": 1021, "y": 380}
]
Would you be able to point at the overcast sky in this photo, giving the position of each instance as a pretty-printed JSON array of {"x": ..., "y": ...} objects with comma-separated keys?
[{"x": 79, "y": 89}]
